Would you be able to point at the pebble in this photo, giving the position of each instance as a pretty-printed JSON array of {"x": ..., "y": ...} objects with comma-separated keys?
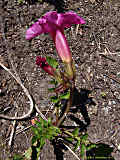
[
  {"x": 0, "y": 91},
  {"x": 113, "y": 102},
  {"x": 119, "y": 147},
  {"x": 109, "y": 103}
]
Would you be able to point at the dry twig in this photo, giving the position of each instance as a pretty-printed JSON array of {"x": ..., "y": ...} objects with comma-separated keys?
[
  {"x": 26, "y": 92},
  {"x": 12, "y": 132},
  {"x": 41, "y": 115},
  {"x": 72, "y": 151}
]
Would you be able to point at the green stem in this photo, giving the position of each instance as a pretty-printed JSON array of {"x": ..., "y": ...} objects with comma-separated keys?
[
  {"x": 57, "y": 112},
  {"x": 69, "y": 104},
  {"x": 70, "y": 134}
]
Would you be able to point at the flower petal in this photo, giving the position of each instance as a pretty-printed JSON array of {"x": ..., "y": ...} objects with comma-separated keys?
[
  {"x": 49, "y": 22},
  {"x": 53, "y": 21},
  {"x": 34, "y": 31},
  {"x": 62, "y": 47},
  {"x": 51, "y": 17},
  {"x": 65, "y": 20},
  {"x": 41, "y": 61}
]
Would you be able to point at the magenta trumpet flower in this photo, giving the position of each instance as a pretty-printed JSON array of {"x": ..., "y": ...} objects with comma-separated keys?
[{"x": 54, "y": 23}]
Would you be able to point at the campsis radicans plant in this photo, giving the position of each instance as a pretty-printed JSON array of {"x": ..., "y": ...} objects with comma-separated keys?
[
  {"x": 64, "y": 80},
  {"x": 54, "y": 24}
]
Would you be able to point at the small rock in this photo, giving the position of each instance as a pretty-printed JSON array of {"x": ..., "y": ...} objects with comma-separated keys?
[
  {"x": 113, "y": 102},
  {"x": 119, "y": 147},
  {"x": 109, "y": 103}
]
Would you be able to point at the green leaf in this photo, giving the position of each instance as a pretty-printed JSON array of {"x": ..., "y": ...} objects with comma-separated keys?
[
  {"x": 20, "y": 1},
  {"x": 84, "y": 137},
  {"x": 45, "y": 124},
  {"x": 65, "y": 95},
  {"x": 75, "y": 132},
  {"x": 48, "y": 136},
  {"x": 28, "y": 154},
  {"x": 45, "y": 130},
  {"x": 82, "y": 150},
  {"x": 35, "y": 130},
  {"x": 49, "y": 122},
  {"x": 41, "y": 123},
  {"x": 70, "y": 139},
  {"x": 51, "y": 89},
  {"x": 38, "y": 124},
  {"x": 53, "y": 82},
  {"x": 52, "y": 62},
  {"x": 34, "y": 139},
  {"x": 91, "y": 146},
  {"x": 18, "y": 157},
  {"x": 42, "y": 142},
  {"x": 38, "y": 149},
  {"x": 54, "y": 99},
  {"x": 103, "y": 94},
  {"x": 57, "y": 129},
  {"x": 77, "y": 145},
  {"x": 50, "y": 131}
]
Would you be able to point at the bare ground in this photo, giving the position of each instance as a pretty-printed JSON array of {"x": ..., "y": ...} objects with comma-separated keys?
[{"x": 96, "y": 51}]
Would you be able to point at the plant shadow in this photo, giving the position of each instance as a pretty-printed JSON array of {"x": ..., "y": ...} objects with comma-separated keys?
[
  {"x": 79, "y": 101},
  {"x": 102, "y": 151}
]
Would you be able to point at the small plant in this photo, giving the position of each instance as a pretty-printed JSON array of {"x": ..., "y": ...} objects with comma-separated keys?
[
  {"x": 103, "y": 94},
  {"x": 21, "y": 1},
  {"x": 47, "y": 131},
  {"x": 54, "y": 24},
  {"x": 63, "y": 81},
  {"x": 43, "y": 130},
  {"x": 63, "y": 85},
  {"x": 18, "y": 157}
]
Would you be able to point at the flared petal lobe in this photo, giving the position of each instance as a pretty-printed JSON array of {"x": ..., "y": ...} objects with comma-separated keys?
[
  {"x": 34, "y": 31},
  {"x": 65, "y": 20},
  {"x": 51, "y": 22}
]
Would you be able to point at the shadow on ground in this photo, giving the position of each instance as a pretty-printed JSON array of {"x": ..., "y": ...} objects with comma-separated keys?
[{"x": 80, "y": 100}]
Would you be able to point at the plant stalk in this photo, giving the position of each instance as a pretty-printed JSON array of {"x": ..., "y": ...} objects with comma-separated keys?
[{"x": 69, "y": 104}]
